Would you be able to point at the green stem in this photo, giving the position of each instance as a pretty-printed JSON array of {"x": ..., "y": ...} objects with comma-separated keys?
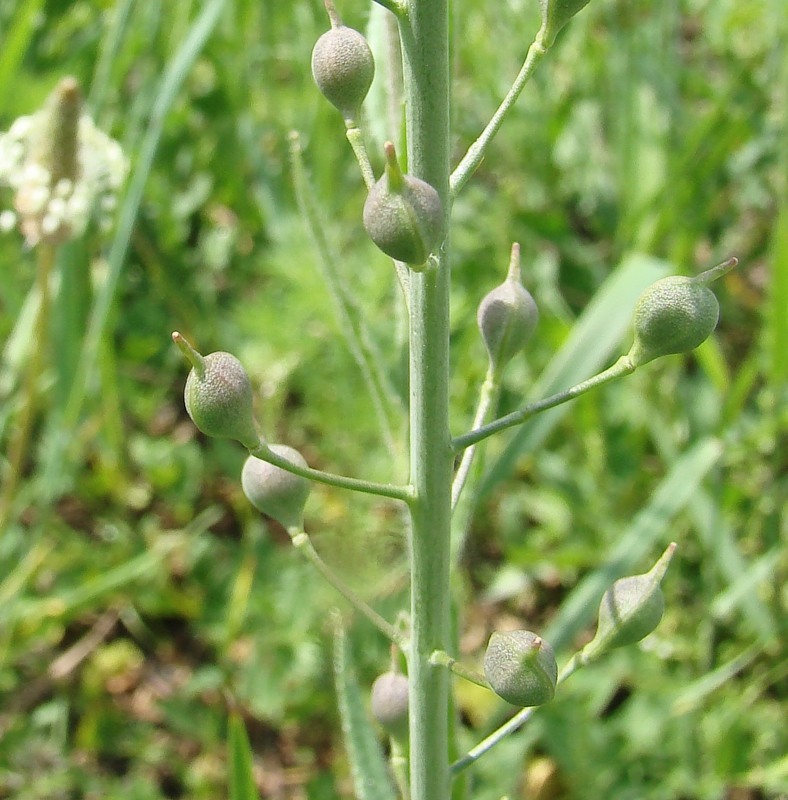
[
  {"x": 477, "y": 150},
  {"x": 396, "y": 7},
  {"x": 19, "y": 445},
  {"x": 517, "y": 721},
  {"x": 442, "y": 659},
  {"x": 621, "y": 367},
  {"x": 425, "y": 37},
  {"x": 303, "y": 543},
  {"x": 356, "y": 139},
  {"x": 491, "y": 388},
  {"x": 394, "y": 491}
]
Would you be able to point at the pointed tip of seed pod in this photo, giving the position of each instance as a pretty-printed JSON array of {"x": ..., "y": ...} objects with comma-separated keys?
[
  {"x": 333, "y": 14},
  {"x": 393, "y": 169},
  {"x": 513, "y": 273},
  {"x": 705, "y": 278},
  {"x": 657, "y": 572},
  {"x": 190, "y": 354}
]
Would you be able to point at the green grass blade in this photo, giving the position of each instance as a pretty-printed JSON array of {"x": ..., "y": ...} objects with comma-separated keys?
[
  {"x": 596, "y": 335},
  {"x": 176, "y": 72},
  {"x": 15, "y": 42},
  {"x": 239, "y": 757},
  {"x": 776, "y": 330},
  {"x": 368, "y": 766},
  {"x": 647, "y": 529}
]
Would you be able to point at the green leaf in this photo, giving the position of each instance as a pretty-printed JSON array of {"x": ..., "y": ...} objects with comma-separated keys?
[
  {"x": 239, "y": 758},
  {"x": 368, "y": 766}
]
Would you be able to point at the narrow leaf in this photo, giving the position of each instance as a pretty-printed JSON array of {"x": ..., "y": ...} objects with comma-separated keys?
[{"x": 239, "y": 759}]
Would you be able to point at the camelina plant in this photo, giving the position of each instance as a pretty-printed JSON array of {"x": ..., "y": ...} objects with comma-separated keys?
[{"x": 407, "y": 214}]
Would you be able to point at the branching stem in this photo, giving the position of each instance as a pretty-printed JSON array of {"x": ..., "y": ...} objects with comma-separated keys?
[
  {"x": 476, "y": 152},
  {"x": 394, "y": 491},
  {"x": 488, "y": 397},
  {"x": 303, "y": 544},
  {"x": 621, "y": 367}
]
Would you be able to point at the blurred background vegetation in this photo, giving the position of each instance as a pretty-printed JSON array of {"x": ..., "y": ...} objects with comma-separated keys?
[{"x": 141, "y": 597}]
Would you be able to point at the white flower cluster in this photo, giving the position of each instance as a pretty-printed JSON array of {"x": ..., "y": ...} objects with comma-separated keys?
[{"x": 52, "y": 211}]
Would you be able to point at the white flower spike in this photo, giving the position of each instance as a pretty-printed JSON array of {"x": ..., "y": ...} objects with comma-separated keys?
[{"x": 60, "y": 167}]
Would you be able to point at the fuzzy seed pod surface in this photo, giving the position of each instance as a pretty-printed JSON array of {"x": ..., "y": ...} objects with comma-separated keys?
[
  {"x": 343, "y": 69},
  {"x": 631, "y": 608},
  {"x": 274, "y": 491},
  {"x": 406, "y": 223},
  {"x": 506, "y": 317},
  {"x": 521, "y": 668},
  {"x": 390, "y": 703},
  {"x": 673, "y": 315},
  {"x": 219, "y": 399}
]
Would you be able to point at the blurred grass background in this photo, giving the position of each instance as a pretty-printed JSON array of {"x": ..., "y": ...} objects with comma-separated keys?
[{"x": 147, "y": 597}]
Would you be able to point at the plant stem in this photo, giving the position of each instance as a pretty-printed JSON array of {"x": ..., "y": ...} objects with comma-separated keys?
[
  {"x": 425, "y": 37},
  {"x": 303, "y": 543},
  {"x": 19, "y": 445},
  {"x": 356, "y": 139},
  {"x": 488, "y": 396},
  {"x": 445, "y": 660},
  {"x": 477, "y": 150},
  {"x": 394, "y": 491},
  {"x": 617, "y": 370}
]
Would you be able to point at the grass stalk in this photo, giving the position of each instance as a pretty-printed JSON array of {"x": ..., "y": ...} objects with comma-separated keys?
[{"x": 20, "y": 443}]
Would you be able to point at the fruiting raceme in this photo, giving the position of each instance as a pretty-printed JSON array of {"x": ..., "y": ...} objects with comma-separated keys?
[
  {"x": 218, "y": 395},
  {"x": 390, "y": 703},
  {"x": 274, "y": 491},
  {"x": 521, "y": 668},
  {"x": 507, "y": 316},
  {"x": 343, "y": 67},
  {"x": 631, "y": 608},
  {"x": 555, "y": 14},
  {"x": 403, "y": 215},
  {"x": 675, "y": 315}
]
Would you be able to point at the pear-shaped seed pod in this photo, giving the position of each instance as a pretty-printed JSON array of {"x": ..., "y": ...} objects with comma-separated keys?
[
  {"x": 390, "y": 703},
  {"x": 521, "y": 668},
  {"x": 675, "y": 315},
  {"x": 631, "y": 608},
  {"x": 507, "y": 316},
  {"x": 218, "y": 395},
  {"x": 274, "y": 491},
  {"x": 403, "y": 215},
  {"x": 555, "y": 14},
  {"x": 343, "y": 67}
]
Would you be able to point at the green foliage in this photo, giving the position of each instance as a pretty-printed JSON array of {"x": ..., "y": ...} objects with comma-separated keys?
[{"x": 151, "y": 590}]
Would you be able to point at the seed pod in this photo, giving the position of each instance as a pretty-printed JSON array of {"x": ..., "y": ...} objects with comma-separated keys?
[
  {"x": 343, "y": 67},
  {"x": 390, "y": 703},
  {"x": 218, "y": 395},
  {"x": 274, "y": 491},
  {"x": 403, "y": 215},
  {"x": 555, "y": 14},
  {"x": 675, "y": 315},
  {"x": 507, "y": 316},
  {"x": 631, "y": 608},
  {"x": 520, "y": 667}
]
